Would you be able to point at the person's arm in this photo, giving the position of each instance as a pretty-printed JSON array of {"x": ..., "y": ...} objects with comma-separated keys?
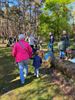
[
  {"x": 40, "y": 60},
  {"x": 26, "y": 39},
  {"x": 29, "y": 51}
]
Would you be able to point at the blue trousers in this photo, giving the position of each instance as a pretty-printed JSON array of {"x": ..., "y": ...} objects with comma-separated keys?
[
  {"x": 50, "y": 46},
  {"x": 23, "y": 70},
  {"x": 62, "y": 54},
  {"x": 36, "y": 72}
]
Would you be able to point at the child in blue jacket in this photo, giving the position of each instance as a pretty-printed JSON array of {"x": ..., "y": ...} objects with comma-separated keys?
[{"x": 37, "y": 61}]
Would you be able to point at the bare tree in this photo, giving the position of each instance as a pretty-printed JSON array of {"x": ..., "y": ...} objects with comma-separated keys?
[{"x": 20, "y": 16}]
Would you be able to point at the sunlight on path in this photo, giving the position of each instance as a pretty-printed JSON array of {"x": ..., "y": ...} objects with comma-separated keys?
[{"x": 48, "y": 87}]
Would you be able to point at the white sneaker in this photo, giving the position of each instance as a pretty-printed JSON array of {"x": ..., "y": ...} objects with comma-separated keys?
[
  {"x": 37, "y": 76},
  {"x": 25, "y": 75}
]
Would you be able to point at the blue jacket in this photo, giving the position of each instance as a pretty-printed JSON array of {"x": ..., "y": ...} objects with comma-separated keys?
[
  {"x": 49, "y": 54},
  {"x": 37, "y": 61},
  {"x": 51, "y": 39}
]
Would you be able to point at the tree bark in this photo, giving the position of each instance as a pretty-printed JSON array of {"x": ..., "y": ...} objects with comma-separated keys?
[{"x": 66, "y": 68}]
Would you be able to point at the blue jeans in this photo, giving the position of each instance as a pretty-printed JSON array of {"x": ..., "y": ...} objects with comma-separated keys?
[
  {"x": 36, "y": 72},
  {"x": 23, "y": 70},
  {"x": 62, "y": 54},
  {"x": 50, "y": 47}
]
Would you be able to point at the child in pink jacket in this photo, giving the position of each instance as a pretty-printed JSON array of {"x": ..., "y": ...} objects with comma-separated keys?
[{"x": 22, "y": 51}]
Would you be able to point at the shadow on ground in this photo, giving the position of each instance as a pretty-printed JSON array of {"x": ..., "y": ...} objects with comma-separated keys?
[
  {"x": 11, "y": 85},
  {"x": 9, "y": 72}
]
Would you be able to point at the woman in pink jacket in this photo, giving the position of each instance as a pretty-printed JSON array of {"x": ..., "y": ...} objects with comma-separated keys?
[{"x": 22, "y": 51}]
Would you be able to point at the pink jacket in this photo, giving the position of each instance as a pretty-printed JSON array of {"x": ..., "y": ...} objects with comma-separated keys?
[{"x": 20, "y": 53}]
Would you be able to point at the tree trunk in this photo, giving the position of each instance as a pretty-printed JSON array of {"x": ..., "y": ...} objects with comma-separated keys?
[{"x": 66, "y": 68}]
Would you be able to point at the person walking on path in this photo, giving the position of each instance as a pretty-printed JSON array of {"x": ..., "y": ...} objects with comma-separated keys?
[
  {"x": 51, "y": 40},
  {"x": 37, "y": 61},
  {"x": 22, "y": 51},
  {"x": 32, "y": 41},
  {"x": 66, "y": 39},
  {"x": 61, "y": 47}
]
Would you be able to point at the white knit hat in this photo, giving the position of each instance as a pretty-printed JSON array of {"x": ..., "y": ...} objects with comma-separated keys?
[{"x": 21, "y": 36}]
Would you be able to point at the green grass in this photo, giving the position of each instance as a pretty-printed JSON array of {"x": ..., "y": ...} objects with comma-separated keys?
[{"x": 34, "y": 88}]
